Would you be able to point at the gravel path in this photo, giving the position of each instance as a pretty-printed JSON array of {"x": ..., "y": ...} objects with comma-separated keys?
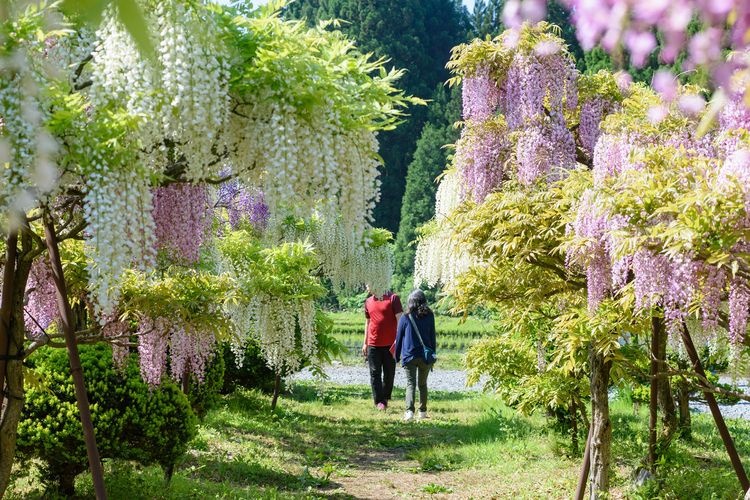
[
  {"x": 739, "y": 410},
  {"x": 439, "y": 380},
  {"x": 455, "y": 381}
]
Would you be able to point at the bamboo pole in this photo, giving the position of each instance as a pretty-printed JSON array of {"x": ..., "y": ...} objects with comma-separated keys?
[
  {"x": 714, "y": 407},
  {"x": 66, "y": 319}
]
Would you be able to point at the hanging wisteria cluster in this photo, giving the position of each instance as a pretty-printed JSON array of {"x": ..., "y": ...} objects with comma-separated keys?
[
  {"x": 182, "y": 92},
  {"x": 635, "y": 24},
  {"x": 242, "y": 204},
  {"x": 176, "y": 317},
  {"x": 274, "y": 322},
  {"x": 349, "y": 263},
  {"x": 182, "y": 218},
  {"x": 514, "y": 108},
  {"x": 439, "y": 259},
  {"x": 117, "y": 209},
  {"x": 276, "y": 302},
  {"x": 517, "y": 90},
  {"x": 297, "y": 161},
  {"x": 27, "y": 149},
  {"x": 41, "y": 308}
]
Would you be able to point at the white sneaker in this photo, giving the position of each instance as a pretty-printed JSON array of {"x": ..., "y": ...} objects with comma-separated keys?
[
  {"x": 423, "y": 415},
  {"x": 408, "y": 416}
]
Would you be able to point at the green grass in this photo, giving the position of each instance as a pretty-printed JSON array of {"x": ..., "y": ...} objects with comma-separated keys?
[
  {"x": 322, "y": 440},
  {"x": 471, "y": 327}
]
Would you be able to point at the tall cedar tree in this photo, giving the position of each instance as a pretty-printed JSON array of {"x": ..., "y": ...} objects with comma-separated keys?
[
  {"x": 430, "y": 159},
  {"x": 413, "y": 34}
]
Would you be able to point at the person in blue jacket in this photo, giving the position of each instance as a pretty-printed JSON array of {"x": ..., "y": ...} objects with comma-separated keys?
[{"x": 410, "y": 350}]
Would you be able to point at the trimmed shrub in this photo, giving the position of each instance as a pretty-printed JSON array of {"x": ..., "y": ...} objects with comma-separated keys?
[{"x": 131, "y": 420}]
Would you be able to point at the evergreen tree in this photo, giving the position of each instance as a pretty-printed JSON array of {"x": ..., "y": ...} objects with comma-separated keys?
[
  {"x": 413, "y": 34},
  {"x": 430, "y": 159}
]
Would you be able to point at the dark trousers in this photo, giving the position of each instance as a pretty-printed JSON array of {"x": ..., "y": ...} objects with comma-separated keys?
[
  {"x": 382, "y": 370},
  {"x": 416, "y": 376}
]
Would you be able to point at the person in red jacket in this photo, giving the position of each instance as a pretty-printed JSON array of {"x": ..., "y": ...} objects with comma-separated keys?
[{"x": 382, "y": 313}]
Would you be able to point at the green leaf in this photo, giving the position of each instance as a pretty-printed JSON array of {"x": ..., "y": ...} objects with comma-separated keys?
[{"x": 132, "y": 18}]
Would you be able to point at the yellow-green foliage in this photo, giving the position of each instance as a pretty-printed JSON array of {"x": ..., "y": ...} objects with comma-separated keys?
[
  {"x": 288, "y": 57},
  {"x": 185, "y": 296},
  {"x": 496, "y": 54},
  {"x": 601, "y": 84},
  {"x": 633, "y": 117},
  {"x": 285, "y": 271}
]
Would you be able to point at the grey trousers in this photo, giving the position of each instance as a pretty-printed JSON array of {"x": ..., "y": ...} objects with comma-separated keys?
[{"x": 416, "y": 375}]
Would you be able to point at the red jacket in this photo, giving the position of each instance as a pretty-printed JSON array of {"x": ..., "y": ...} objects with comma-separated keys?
[{"x": 381, "y": 331}]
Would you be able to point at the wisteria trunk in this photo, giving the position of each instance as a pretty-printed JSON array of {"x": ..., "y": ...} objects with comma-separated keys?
[
  {"x": 16, "y": 273},
  {"x": 683, "y": 392},
  {"x": 276, "y": 390},
  {"x": 574, "y": 427},
  {"x": 601, "y": 426},
  {"x": 661, "y": 395}
]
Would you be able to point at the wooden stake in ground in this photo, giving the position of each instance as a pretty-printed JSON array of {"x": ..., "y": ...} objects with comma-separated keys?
[
  {"x": 714, "y": 407},
  {"x": 584, "y": 477},
  {"x": 653, "y": 402},
  {"x": 601, "y": 426},
  {"x": 66, "y": 320}
]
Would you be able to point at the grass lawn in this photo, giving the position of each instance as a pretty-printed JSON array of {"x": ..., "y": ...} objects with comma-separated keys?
[
  {"x": 454, "y": 336},
  {"x": 328, "y": 442}
]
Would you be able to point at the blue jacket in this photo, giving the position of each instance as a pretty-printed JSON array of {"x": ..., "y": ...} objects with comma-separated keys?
[{"x": 408, "y": 346}]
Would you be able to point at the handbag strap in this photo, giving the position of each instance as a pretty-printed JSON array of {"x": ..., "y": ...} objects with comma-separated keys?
[{"x": 416, "y": 329}]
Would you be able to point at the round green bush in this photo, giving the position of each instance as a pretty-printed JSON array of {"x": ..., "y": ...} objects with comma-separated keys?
[{"x": 131, "y": 420}]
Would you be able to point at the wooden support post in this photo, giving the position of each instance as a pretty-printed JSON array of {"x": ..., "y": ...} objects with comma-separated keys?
[
  {"x": 653, "y": 403},
  {"x": 66, "y": 320},
  {"x": 714, "y": 407},
  {"x": 583, "y": 478}
]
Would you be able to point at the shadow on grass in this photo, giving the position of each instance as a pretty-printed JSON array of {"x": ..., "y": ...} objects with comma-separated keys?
[
  {"x": 125, "y": 480},
  {"x": 305, "y": 393},
  {"x": 243, "y": 473},
  {"x": 370, "y": 440}
]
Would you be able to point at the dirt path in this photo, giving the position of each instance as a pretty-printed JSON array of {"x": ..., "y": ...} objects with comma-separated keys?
[{"x": 390, "y": 475}]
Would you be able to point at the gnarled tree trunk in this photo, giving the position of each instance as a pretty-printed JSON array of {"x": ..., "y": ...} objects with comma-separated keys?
[
  {"x": 662, "y": 398},
  {"x": 683, "y": 395},
  {"x": 601, "y": 426},
  {"x": 16, "y": 273}
]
